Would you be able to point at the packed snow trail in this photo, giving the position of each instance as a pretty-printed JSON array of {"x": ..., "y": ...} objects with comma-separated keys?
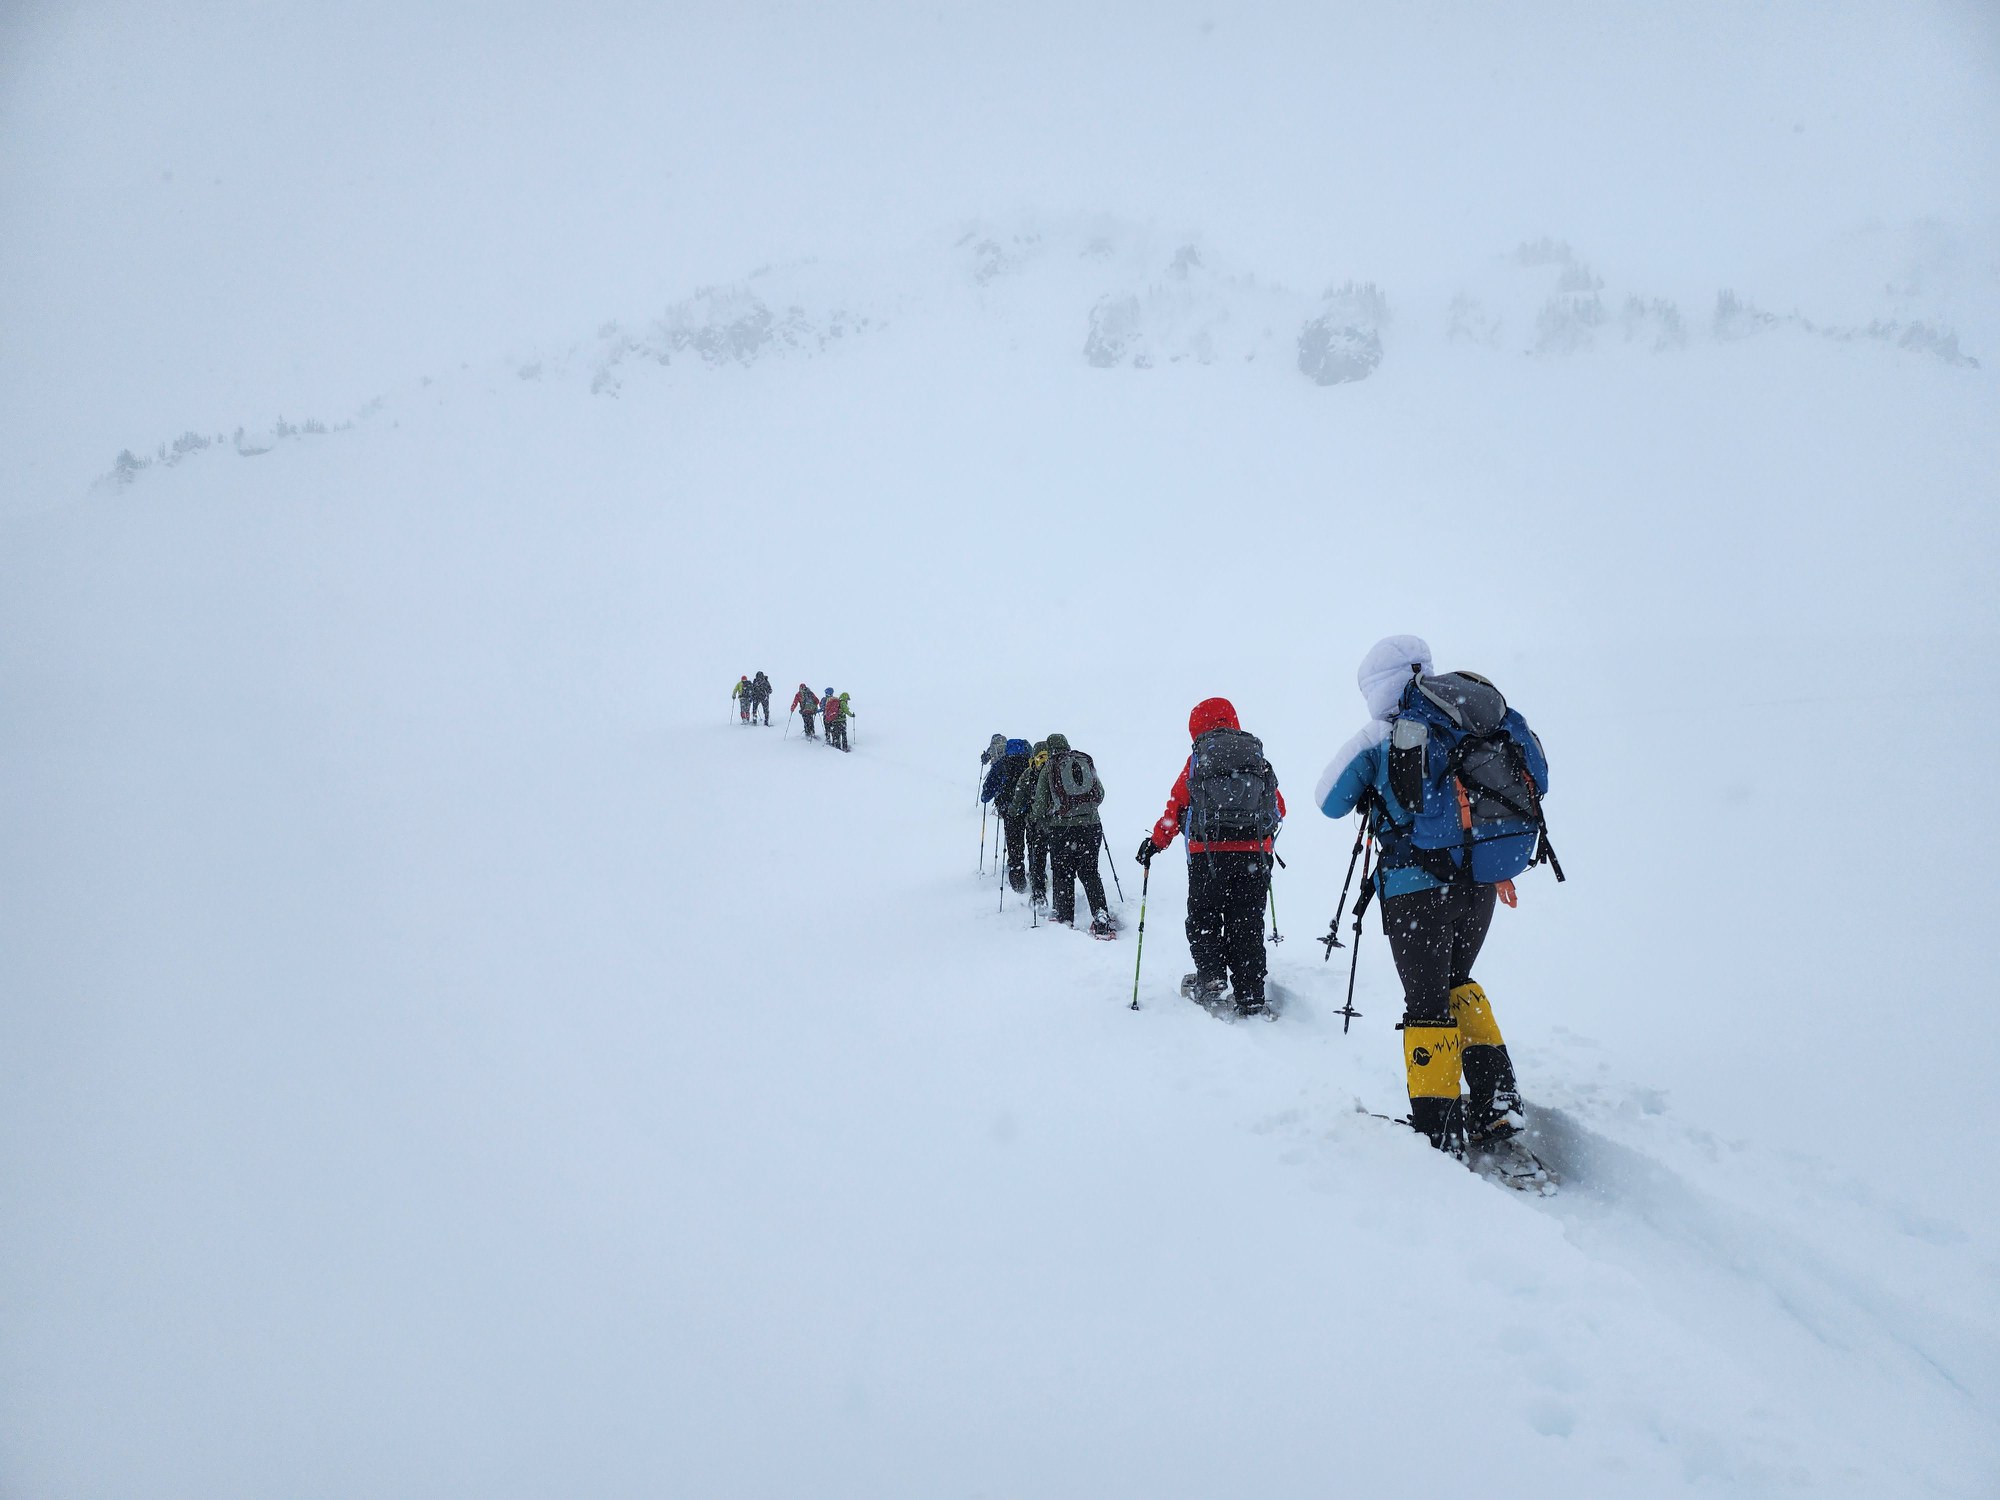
[{"x": 443, "y": 1055}]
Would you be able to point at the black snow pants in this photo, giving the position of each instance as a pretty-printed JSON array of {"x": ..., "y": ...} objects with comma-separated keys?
[
  {"x": 806, "y": 714},
  {"x": 1017, "y": 840},
  {"x": 1436, "y": 936},
  {"x": 1073, "y": 852},
  {"x": 1038, "y": 861},
  {"x": 763, "y": 701},
  {"x": 1225, "y": 918}
]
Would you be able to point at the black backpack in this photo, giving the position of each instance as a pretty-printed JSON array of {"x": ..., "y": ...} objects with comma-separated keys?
[{"x": 1232, "y": 790}]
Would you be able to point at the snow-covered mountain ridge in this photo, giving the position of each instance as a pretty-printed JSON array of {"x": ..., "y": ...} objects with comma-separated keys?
[
  {"x": 1127, "y": 296},
  {"x": 444, "y": 1052}
]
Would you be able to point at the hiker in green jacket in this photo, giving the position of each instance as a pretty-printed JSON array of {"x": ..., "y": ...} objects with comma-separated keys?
[
  {"x": 1066, "y": 797},
  {"x": 1020, "y": 805}
]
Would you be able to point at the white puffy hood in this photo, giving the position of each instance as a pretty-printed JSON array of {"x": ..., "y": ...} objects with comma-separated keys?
[{"x": 1386, "y": 668}]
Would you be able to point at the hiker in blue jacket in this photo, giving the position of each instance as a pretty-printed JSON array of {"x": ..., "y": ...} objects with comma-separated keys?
[
  {"x": 1008, "y": 767},
  {"x": 1453, "y": 804}
]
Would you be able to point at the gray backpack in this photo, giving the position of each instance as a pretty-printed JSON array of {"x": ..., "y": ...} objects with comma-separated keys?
[
  {"x": 1073, "y": 785},
  {"x": 1232, "y": 790}
]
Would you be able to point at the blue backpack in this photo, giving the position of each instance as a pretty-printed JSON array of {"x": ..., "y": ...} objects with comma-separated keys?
[{"x": 1463, "y": 762}]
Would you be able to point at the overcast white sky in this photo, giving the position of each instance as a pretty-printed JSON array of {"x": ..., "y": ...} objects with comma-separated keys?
[{"x": 215, "y": 212}]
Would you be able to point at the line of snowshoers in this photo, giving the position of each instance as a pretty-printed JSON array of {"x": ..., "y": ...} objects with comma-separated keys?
[{"x": 1448, "y": 782}]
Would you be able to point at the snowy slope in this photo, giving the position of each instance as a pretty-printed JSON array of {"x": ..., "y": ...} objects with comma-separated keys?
[{"x": 444, "y": 1054}]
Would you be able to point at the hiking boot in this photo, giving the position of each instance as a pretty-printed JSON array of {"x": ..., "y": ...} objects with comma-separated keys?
[
  {"x": 1250, "y": 1005},
  {"x": 1100, "y": 927},
  {"x": 1204, "y": 991},
  {"x": 1443, "y": 1122},
  {"x": 1496, "y": 1119}
]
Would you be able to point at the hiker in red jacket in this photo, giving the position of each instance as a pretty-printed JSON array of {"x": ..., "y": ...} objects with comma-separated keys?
[
  {"x": 1228, "y": 805},
  {"x": 807, "y": 704}
]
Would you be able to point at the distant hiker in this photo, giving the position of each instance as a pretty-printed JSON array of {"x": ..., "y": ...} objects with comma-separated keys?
[
  {"x": 1066, "y": 797},
  {"x": 1020, "y": 804},
  {"x": 835, "y": 712},
  {"x": 846, "y": 721},
  {"x": 1001, "y": 782},
  {"x": 1227, "y": 803},
  {"x": 995, "y": 748},
  {"x": 760, "y": 696},
  {"x": 807, "y": 705},
  {"x": 1450, "y": 780},
  {"x": 743, "y": 693}
]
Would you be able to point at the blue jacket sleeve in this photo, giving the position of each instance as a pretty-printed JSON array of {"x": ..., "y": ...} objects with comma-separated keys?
[
  {"x": 1358, "y": 766},
  {"x": 992, "y": 786}
]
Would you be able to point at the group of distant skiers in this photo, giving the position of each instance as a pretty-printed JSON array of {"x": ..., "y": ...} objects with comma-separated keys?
[
  {"x": 1448, "y": 781},
  {"x": 752, "y": 696}
]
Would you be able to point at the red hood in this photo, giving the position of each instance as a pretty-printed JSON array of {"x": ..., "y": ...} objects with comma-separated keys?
[{"x": 1211, "y": 713}]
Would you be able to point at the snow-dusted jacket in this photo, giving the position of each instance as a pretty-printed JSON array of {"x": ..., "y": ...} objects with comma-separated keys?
[
  {"x": 1008, "y": 768},
  {"x": 804, "y": 701},
  {"x": 1210, "y": 713},
  {"x": 1361, "y": 766},
  {"x": 1021, "y": 803}
]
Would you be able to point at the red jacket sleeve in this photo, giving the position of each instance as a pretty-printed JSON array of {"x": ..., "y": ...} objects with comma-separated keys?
[{"x": 1177, "y": 805}]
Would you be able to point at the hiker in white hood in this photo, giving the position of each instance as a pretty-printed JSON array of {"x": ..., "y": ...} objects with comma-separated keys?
[{"x": 1437, "y": 897}]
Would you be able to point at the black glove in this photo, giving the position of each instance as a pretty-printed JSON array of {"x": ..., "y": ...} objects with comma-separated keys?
[{"x": 1146, "y": 852}]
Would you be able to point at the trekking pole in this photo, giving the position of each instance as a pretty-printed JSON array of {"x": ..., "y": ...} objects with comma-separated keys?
[
  {"x": 1332, "y": 938},
  {"x": 1348, "y": 1012},
  {"x": 1113, "y": 861},
  {"x": 788, "y": 722},
  {"x": 982, "y": 838},
  {"x": 1140, "y": 957}
]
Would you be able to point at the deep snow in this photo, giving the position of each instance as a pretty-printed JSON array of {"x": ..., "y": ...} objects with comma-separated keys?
[{"x": 445, "y": 1054}]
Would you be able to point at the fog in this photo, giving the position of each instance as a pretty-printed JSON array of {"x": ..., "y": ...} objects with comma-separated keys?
[
  {"x": 223, "y": 213},
  {"x": 444, "y": 1049}
]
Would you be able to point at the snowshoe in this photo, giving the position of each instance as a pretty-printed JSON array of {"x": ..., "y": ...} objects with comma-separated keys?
[
  {"x": 1100, "y": 927},
  {"x": 1250, "y": 1005},
  {"x": 1204, "y": 991},
  {"x": 1510, "y": 1163}
]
